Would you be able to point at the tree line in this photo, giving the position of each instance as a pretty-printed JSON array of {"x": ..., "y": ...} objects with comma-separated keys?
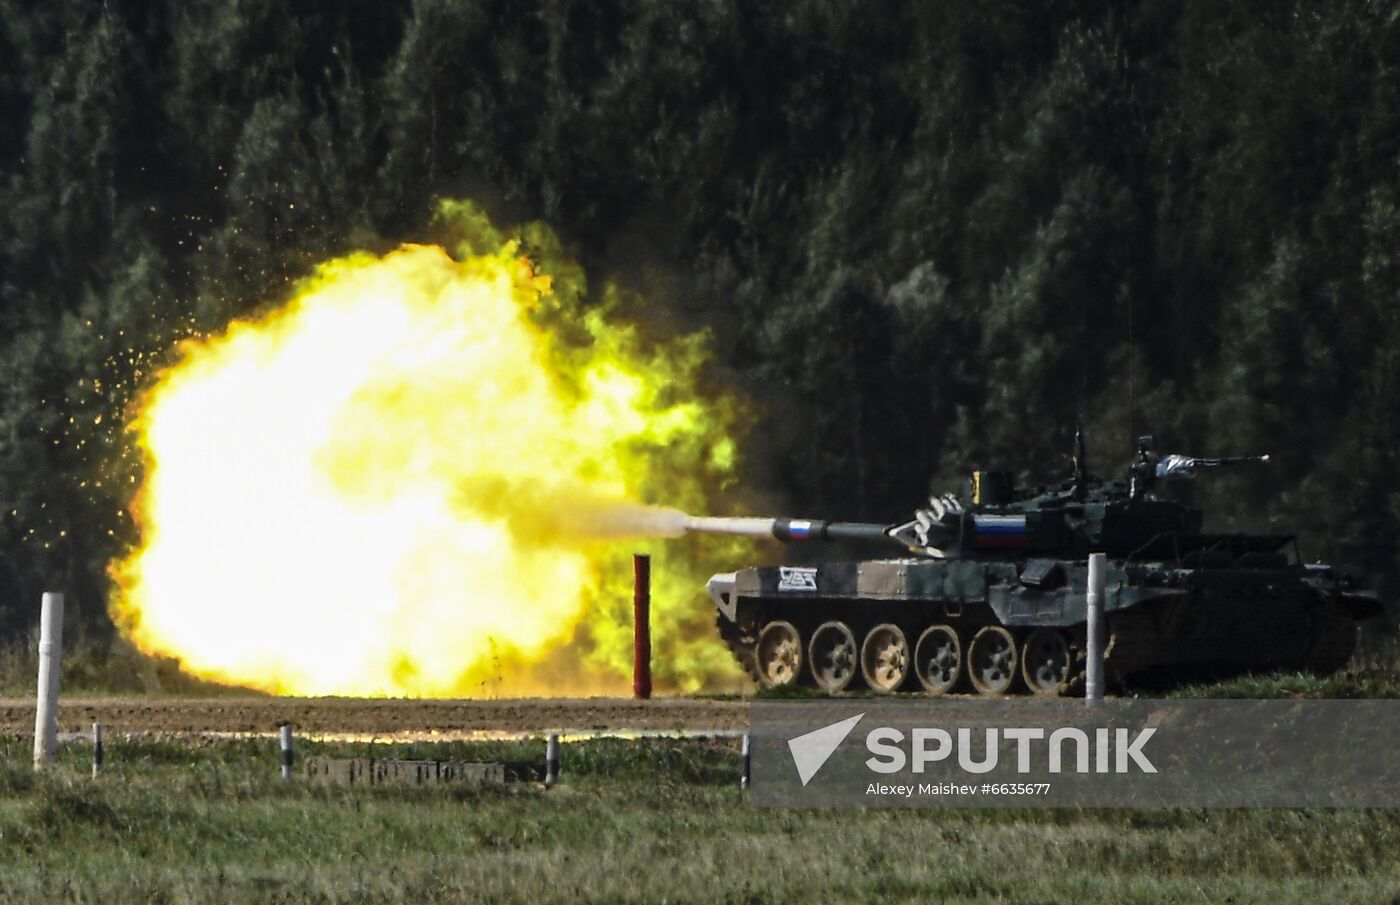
[{"x": 926, "y": 236}]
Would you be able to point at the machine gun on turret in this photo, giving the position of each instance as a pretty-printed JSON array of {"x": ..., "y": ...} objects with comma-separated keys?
[{"x": 1150, "y": 467}]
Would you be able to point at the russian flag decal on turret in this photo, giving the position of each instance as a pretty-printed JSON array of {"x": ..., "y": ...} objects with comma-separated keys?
[{"x": 1000, "y": 530}]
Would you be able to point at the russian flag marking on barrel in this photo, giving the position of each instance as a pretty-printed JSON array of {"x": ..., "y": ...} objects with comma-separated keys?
[
  {"x": 1000, "y": 530},
  {"x": 799, "y": 529}
]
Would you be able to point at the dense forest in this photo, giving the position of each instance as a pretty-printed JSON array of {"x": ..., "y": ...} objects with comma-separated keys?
[{"x": 925, "y": 235}]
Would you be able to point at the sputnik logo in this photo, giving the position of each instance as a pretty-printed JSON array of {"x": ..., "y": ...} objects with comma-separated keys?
[{"x": 811, "y": 750}]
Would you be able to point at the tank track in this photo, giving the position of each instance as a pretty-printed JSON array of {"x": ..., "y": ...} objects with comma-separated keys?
[
  {"x": 740, "y": 642},
  {"x": 1131, "y": 645}
]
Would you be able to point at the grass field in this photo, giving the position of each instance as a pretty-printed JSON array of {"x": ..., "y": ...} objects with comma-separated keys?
[
  {"x": 638, "y": 821},
  {"x": 634, "y": 822}
]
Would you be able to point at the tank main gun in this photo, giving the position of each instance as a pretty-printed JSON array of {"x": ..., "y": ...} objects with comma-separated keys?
[
  {"x": 926, "y": 533},
  {"x": 787, "y": 529}
]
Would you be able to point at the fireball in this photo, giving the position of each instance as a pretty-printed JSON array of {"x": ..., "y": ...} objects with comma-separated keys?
[{"x": 411, "y": 478}]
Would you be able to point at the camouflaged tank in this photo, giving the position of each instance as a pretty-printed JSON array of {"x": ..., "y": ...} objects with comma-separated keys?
[{"x": 990, "y": 594}]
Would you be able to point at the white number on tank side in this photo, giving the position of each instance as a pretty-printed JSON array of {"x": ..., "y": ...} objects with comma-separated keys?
[{"x": 795, "y": 578}]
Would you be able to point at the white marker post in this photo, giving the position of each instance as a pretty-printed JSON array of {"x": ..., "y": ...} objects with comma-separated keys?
[
  {"x": 50, "y": 657},
  {"x": 745, "y": 753},
  {"x": 285, "y": 736},
  {"x": 1093, "y": 667},
  {"x": 96, "y": 749}
]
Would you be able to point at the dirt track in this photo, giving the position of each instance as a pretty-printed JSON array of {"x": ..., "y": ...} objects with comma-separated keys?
[{"x": 369, "y": 716}]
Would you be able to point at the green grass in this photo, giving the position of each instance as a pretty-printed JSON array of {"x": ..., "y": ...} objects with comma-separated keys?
[
  {"x": 1372, "y": 683},
  {"x": 634, "y": 822}
]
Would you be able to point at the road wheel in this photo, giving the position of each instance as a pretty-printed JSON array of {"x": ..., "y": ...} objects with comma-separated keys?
[
  {"x": 1046, "y": 662},
  {"x": 938, "y": 659},
  {"x": 832, "y": 653},
  {"x": 778, "y": 654},
  {"x": 884, "y": 658},
  {"x": 991, "y": 660}
]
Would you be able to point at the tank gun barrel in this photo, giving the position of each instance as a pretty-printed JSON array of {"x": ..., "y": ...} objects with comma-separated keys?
[{"x": 788, "y": 529}]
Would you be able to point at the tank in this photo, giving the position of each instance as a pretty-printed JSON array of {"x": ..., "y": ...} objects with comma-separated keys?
[{"x": 987, "y": 592}]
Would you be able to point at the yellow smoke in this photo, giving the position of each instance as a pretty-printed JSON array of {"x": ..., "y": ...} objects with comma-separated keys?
[{"x": 410, "y": 479}]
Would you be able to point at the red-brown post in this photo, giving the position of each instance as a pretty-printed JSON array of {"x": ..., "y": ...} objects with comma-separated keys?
[{"x": 641, "y": 626}]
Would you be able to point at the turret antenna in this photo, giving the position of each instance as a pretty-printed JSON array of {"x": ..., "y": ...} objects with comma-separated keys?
[
  {"x": 1132, "y": 350},
  {"x": 1081, "y": 465}
]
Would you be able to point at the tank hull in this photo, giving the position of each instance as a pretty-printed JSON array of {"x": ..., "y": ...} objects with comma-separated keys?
[{"x": 1165, "y": 621}]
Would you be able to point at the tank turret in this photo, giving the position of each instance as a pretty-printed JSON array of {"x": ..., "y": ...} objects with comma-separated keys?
[{"x": 1082, "y": 514}]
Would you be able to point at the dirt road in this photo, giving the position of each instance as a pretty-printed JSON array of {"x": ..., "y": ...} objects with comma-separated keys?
[{"x": 374, "y": 716}]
